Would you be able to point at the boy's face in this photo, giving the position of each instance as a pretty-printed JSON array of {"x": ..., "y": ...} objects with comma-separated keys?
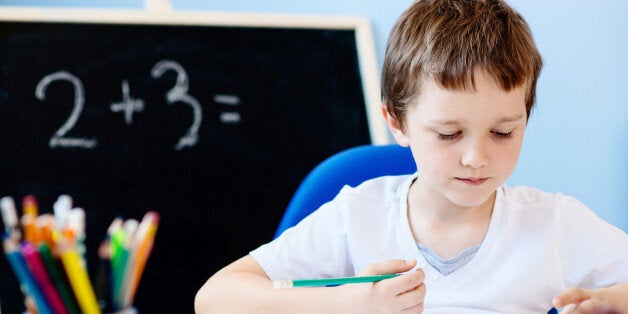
[{"x": 465, "y": 143}]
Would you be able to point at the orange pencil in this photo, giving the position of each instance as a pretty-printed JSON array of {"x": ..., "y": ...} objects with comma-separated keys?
[
  {"x": 141, "y": 251},
  {"x": 29, "y": 226},
  {"x": 46, "y": 224},
  {"x": 29, "y": 206},
  {"x": 29, "y": 217}
]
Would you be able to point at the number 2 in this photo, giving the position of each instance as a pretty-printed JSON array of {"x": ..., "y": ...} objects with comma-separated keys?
[{"x": 59, "y": 138}]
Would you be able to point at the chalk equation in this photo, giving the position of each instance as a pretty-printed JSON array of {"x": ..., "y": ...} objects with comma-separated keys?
[{"x": 129, "y": 106}]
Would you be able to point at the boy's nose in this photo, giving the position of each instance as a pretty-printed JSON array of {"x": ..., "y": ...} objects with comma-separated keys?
[{"x": 474, "y": 155}]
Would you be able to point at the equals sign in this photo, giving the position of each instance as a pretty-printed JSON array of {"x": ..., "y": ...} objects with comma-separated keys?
[{"x": 228, "y": 116}]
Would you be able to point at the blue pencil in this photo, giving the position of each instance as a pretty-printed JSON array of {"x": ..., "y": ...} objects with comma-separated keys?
[{"x": 27, "y": 282}]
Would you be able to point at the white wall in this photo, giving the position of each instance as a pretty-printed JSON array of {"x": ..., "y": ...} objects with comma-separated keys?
[{"x": 577, "y": 140}]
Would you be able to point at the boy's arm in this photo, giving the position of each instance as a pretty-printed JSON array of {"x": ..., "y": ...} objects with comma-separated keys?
[
  {"x": 244, "y": 287},
  {"x": 613, "y": 299}
]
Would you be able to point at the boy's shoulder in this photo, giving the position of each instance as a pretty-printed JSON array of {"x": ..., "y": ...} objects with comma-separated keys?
[
  {"x": 542, "y": 202},
  {"x": 530, "y": 195}
]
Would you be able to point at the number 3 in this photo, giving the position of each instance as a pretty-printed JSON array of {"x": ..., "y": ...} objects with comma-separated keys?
[{"x": 180, "y": 93}]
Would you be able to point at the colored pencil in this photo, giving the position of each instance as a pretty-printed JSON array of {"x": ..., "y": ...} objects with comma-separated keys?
[
  {"x": 322, "y": 282},
  {"x": 29, "y": 206},
  {"x": 142, "y": 248},
  {"x": 9, "y": 217},
  {"x": 27, "y": 282},
  {"x": 46, "y": 224},
  {"x": 119, "y": 256},
  {"x": 56, "y": 273},
  {"x": 130, "y": 230},
  {"x": 40, "y": 273},
  {"x": 79, "y": 280},
  {"x": 51, "y": 267},
  {"x": 103, "y": 282}
]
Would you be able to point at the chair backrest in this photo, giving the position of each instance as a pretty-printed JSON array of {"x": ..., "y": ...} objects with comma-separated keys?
[{"x": 349, "y": 167}]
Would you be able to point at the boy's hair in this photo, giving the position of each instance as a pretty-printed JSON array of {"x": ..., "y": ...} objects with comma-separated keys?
[{"x": 445, "y": 40}]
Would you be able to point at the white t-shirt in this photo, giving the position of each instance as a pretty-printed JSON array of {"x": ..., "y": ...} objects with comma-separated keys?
[{"x": 537, "y": 245}]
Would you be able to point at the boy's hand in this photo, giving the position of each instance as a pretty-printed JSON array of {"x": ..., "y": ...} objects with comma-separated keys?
[
  {"x": 401, "y": 294},
  {"x": 610, "y": 300}
]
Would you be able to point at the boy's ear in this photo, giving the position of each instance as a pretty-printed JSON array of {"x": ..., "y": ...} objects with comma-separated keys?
[{"x": 395, "y": 128}]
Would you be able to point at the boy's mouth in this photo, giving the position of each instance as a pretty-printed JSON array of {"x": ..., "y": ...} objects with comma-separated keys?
[{"x": 472, "y": 181}]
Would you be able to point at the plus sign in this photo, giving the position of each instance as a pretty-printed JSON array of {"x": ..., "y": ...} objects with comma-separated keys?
[{"x": 128, "y": 105}]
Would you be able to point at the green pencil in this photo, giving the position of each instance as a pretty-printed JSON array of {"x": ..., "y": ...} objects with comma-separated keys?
[
  {"x": 322, "y": 282},
  {"x": 57, "y": 277}
]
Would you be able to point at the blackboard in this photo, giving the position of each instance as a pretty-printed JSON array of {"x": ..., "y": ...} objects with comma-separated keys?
[{"x": 211, "y": 121}]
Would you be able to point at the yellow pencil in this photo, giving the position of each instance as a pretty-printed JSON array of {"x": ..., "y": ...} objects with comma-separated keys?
[{"x": 79, "y": 280}]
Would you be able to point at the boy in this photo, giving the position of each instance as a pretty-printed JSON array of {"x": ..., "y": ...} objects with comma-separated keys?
[{"x": 458, "y": 86}]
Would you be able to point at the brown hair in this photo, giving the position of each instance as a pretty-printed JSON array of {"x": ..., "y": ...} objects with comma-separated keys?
[{"x": 445, "y": 40}]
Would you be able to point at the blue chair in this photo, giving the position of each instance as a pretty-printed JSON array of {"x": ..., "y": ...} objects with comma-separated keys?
[{"x": 349, "y": 167}]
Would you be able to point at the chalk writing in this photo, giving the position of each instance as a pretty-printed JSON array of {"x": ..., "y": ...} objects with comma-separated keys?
[
  {"x": 179, "y": 93},
  {"x": 59, "y": 138},
  {"x": 130, "y": 105}
]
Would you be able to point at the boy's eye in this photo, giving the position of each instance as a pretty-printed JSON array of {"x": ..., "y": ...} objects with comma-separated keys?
[
  {"x": 448, "y": 137},
  {"x": 502, "y": 135}
]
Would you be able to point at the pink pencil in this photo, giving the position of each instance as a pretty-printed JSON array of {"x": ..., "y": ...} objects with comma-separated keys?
[{"x": 38, "y": 269}]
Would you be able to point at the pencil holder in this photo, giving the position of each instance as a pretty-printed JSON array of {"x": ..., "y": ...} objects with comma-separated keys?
[{"x": 50, "y": 261}]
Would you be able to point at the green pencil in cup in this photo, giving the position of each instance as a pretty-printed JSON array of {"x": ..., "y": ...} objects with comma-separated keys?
[{"x": 325, "y": 282}]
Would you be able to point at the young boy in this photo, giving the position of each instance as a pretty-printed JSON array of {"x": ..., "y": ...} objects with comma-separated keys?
[{"x": 458, "y": 84}]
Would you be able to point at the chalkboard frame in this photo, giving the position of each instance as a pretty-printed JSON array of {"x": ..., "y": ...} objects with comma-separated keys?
[{"x": 162, "y": 15}]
